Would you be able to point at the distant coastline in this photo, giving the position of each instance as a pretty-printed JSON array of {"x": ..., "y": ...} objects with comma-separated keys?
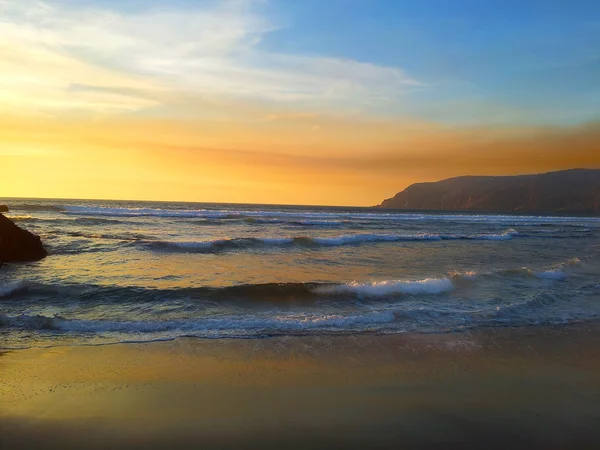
[
  {"x": 566, "y": 192},
  {"x": 572, "y": 192}
]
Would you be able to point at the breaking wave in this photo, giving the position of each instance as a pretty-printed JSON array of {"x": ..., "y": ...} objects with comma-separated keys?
[
  {"x": 225, "y": 244},
  {"x": 12, "y": 287},
  {"x": 305, "y": 215},
  {"x": 22, "y": 218},
  {"x": 38, "y": 207},
  {"x": 386, "y": 288},
  {"x": 554, "y": 274},
  {"x": 267, "y": 292},
  {"x": 273, "y": 292}
]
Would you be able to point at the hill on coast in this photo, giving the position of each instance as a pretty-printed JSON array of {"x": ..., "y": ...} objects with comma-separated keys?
[{"x": 565, "y": 191}]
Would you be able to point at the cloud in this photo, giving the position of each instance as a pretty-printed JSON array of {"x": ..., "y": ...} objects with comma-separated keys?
[{"x": 211, "y": 49}]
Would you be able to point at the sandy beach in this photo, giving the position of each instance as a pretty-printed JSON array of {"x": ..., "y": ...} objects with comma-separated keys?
[{"x": 497, "y": 388}]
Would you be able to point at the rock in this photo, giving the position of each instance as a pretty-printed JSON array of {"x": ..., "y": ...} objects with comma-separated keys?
[
  {"x": 18, "y": 245},
  {"x": 3, "y": 208},
  {"x": 575, "y": 191}
]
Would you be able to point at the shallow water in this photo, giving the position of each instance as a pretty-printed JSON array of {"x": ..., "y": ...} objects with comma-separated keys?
[{"x": 138, "y": 271}]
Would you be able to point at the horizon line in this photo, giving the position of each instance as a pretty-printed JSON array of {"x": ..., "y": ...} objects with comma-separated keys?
[
  {"x": 298, "y": 204},
  {"x": 182, "y": 201}
]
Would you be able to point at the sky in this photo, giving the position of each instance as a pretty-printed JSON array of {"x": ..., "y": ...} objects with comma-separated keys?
[{"x": 335, "y": 102}]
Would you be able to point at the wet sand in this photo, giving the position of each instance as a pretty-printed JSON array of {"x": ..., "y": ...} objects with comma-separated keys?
[{"x": 528, "y": 388}]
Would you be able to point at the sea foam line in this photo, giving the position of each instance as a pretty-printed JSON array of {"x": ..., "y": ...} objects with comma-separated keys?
[
  {"x": 224, "y": 244},
  {"x": 386, "y": 288},
  {"x": 283, "y": 322},
  {"x": 525, "y": 220}
]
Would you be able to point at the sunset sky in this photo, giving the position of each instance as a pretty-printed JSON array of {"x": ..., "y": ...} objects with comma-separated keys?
[{"x": 338, "y": 102}]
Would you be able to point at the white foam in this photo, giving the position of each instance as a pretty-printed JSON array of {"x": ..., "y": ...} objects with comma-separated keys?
[
  {"x": 141, "y": 212},
  {"x": 195, "y": 244},
  {"x": 20, "y": 218},
  {"x": 383, "y": 288},
  {"x": 469, "y": 275},
  {"x": 357, "y": 238},
  {"x": 346, "y": 239},
  {"x": 554, "y": 274},
  {"x": 315, "y": 216},
  {"x": 507, "y": 235},
  {"x": 281, "y": 323},
  {"x": 8, "y": 288}
]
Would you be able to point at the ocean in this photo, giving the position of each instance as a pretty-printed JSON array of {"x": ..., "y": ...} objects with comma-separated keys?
[{"x": 121, "y": 271}]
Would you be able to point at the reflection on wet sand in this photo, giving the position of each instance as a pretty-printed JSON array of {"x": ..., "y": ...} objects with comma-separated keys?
[{"x": 530, "y": 387}]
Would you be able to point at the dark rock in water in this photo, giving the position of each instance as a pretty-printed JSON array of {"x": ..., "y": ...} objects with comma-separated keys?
[
  {"x": 567, "y": 191},
  {"x": 18, "y": 245},
  {"x": 3, "y": 208}
]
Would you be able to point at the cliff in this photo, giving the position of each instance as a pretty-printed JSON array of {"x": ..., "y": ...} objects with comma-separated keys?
[{"x": 566, "y": 191}]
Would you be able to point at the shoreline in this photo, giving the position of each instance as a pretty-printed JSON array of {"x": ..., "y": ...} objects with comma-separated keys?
[
  {"x": 590, "y": 324},
  {"x": 526, "y": 387}
]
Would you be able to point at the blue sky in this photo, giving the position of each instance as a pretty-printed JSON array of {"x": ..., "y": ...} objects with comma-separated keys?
[{"x": 540, "y": 57}]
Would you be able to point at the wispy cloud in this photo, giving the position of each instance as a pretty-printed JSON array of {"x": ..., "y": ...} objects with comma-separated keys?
[{"x": 136, "y": 60}]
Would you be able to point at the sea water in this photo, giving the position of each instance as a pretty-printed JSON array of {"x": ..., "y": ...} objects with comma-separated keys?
[{"x": 143, "y": 271}]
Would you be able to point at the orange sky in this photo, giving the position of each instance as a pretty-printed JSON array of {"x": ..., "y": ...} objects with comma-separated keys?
[{"x": 301, "y": 160}]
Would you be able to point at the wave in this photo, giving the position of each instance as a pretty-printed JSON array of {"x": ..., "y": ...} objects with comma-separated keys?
[
  {"x": 308, "y": 214},
  {"x": 271, "y": 221},
  {"x": 264, "y": 292},
  {"x": 469, "y": 275},
  {"x": 262, "y": 220},
  {"x": 38, "y": 207},
  {"x": 131, "y": 294},
  {"x": 367, "y": 237},
  {"x": 109, "y": 236},
  {"x": 553, "y": 274},
  {"x": 317, "y": 223},
  {"x": 11, "y": 288},
  {"x": 569, "y": 262},
  {"x": 419, "y": 305},
  {"x": 300, "y": 215},
  {"x": 22, "y": 218},
  {"x": 387, "y": 288},
  {"x": 30, "y": 322},
  {"x": 96, "y": 221},
  {"x": 213, "y": 222},
  {"x": 524, "y": 308},
  {"x": 283, "y": 291},
  {"x": 228, "y": 244},
  {"x": 152, "y": 212},
  {"x": 212, "y": 217},
  {"x": 237, "y": 324},
  {"x": 507, "y": 235},
  {"x": 86, "y": 221}
]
